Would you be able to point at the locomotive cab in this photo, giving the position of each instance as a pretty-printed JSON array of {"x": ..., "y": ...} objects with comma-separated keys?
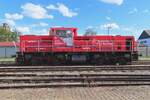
[{"x": 65, "y": 34}]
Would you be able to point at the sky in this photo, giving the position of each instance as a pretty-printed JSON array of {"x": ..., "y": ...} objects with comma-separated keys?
[{"x": 124, "y": 17}]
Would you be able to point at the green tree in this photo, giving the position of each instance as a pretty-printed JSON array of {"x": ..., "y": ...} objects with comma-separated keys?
[
  {"x": 8, "y": 36},
  {"x": 90, "y": 32}
]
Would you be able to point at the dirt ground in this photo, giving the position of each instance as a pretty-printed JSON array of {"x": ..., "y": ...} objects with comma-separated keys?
[{"x": 80, "y": 93}]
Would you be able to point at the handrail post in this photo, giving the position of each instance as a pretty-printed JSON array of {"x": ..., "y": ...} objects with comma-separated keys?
[{"x": 38, "y": 45}]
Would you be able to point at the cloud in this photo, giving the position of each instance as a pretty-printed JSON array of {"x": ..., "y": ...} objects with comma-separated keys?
[
  {"x": 10, "y": 18},
  {"x": 41, "y": 24},
  {"x": 135, "y": 10},
  {"x": 90, "y": 27},
  {"x": 30, "y": 31},
  {"x": 10, "y": 22},
  {"x": 23, "y": 29},
  {"x": 133, "y": 30},
  {"x": 117, "y": 2},
  {"x": 146, "y": 11},
  {"x": 127, "y": 29},
  {"x": 63, "y": 9},
  {"x": 56, "y": 26},
  {"x": 111, "y": 25},
  {"x": 108, "y": 18},
  {"x": 52, "y": 7},
  {"x": 15, "y": 16},
  {"x": 35, "y": 11},
  {"x": 40, "y": 32}
]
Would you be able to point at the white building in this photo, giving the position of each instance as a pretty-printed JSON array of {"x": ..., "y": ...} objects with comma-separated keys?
[
  {"x": 8, "y": 49},
  {"x": 144, "y": 39}
]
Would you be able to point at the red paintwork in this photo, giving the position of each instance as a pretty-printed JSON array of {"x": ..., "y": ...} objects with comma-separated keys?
[{"x": 53, "y": 43}]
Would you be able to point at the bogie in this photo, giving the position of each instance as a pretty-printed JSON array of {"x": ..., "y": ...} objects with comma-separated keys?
[{"x": 75, "y": 58}]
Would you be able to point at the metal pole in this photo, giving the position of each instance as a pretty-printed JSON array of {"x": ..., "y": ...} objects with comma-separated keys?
[
  {"x": 108, "y": 30},
  {"x": 5, "y": 52},
  {"x": 109, "y": 27},
  {"x": 146, "y": 51}
]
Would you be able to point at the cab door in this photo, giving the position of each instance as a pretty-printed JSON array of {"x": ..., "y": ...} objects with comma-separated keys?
[
  {"x": 68, "y": 39},
  {"x": 66, "y": 36},
  {"x": 128, "y": 44}
]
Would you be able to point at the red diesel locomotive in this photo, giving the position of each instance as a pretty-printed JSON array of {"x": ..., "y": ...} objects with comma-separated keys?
[{"x": 64, "y": 46}]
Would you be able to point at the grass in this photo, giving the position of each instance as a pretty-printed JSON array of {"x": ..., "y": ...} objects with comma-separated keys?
[
  {"x": 144, "y": 58},
  {"x": 7, "y": 59}
]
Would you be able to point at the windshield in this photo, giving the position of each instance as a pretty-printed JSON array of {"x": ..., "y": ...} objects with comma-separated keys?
[{"x": 64, "y": 33}]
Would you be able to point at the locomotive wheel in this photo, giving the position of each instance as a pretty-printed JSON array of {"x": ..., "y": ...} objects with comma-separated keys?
[
  {"x": 20, "y": 62},
  {"x": 56, "y": 62},
  {"x": 100, "y": 62},
  {"x": 33, "y": 62},
  {"x": 122, "y": 61}
]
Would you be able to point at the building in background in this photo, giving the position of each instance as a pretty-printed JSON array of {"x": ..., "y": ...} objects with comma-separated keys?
[
  {"x": 144, "y": 39},
  {"x": 144, "y": 44},
  {"x": 8, "y": 49}
]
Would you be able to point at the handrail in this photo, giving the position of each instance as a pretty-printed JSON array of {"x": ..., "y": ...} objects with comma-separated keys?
[{"x": 98, "y": 44}]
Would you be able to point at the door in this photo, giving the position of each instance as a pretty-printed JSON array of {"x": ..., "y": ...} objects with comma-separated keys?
[
  {"x": 68, "y": 39},
  {"x": 129, "y": 44},
  {"x": 66, "y": 36}
]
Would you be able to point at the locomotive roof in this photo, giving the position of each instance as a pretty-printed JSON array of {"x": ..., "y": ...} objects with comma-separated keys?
[
  {"x": 63, "y": 28},
  {"x": 145, "y": 34}
]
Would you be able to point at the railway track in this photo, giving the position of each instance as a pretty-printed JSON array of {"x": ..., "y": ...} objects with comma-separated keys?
[
  {"x": 89, "y": 80},
  {"x": 140, "y": 62},
  {"x": 73, "y": 68},
  {"x": 68, "y": 76}
]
